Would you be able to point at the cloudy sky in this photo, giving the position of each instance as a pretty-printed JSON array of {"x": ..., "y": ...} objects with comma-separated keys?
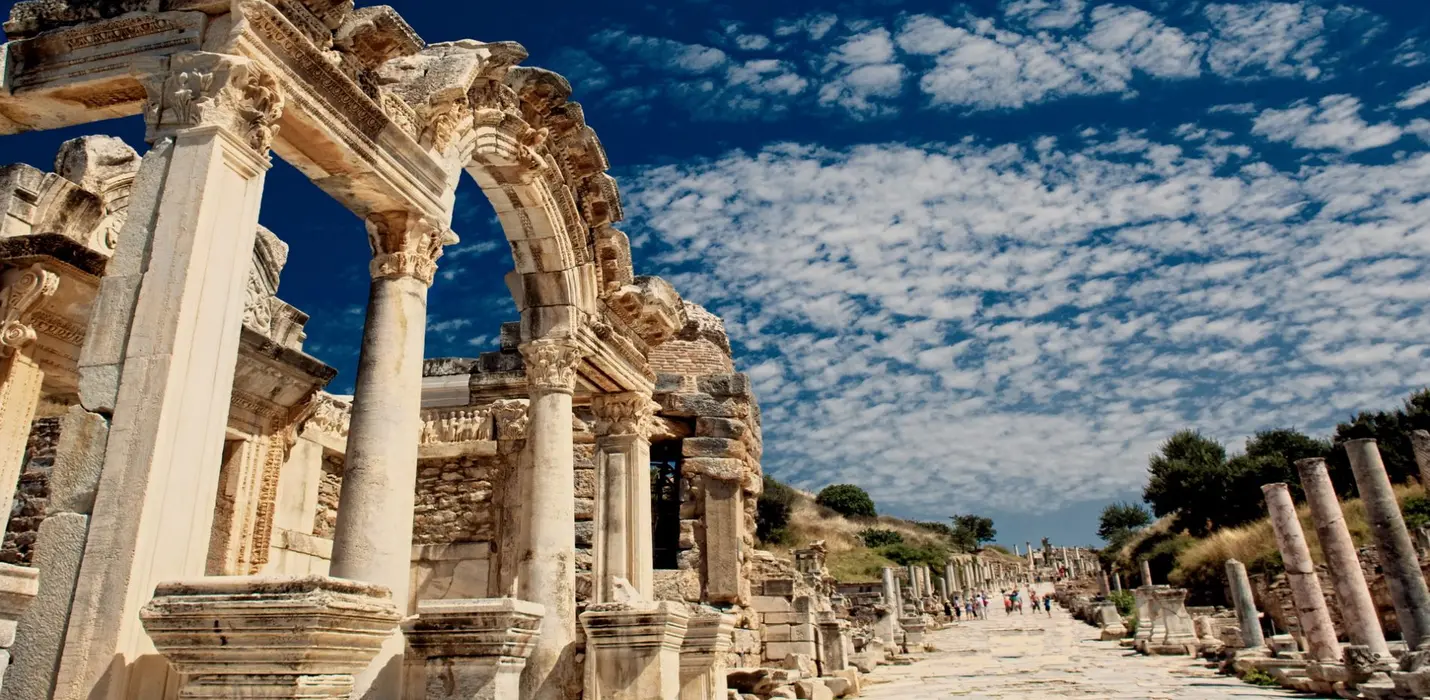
[{"x": 978, "y": 257}]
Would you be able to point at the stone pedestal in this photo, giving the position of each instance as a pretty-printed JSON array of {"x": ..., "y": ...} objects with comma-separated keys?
[
  {"x": 1247, "y": 618},
  {"x": 1392, "y": 543},
  {"x": 259, "y": 637},
  {"x": 1174, "y": 633},
  {"x": 1316, "y": 626},
  {"x": 1359, "y": 618},
  {"x": 18, "y": 586},
  {"x": 1110, "y": 622},
  {"x": 914, "y": 628},
  {"x": 1146, "y": 617},
  {"x": 886, "y": 625},
  {"x": 834, "y": 645},
  {"x": 708, "y": 637},
  {"x": 473, "y": 649},
  {"x": 634, "y": 649}
]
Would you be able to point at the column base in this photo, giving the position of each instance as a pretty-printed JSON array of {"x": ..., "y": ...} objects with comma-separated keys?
[
  {"x": 635, "y": 649},
  {"x": 474, "y": 649},
  {"x": 268, "y": 637},
  {"x": 708, "y": 637}
]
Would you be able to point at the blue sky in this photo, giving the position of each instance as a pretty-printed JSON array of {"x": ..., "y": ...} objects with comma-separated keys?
[{"x": 977, "y": 257}]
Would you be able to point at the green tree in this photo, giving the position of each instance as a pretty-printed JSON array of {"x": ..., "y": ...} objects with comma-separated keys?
[
  {"x": 874, "y": 537},
  {"x": 848, "y": 500},
  {"x": 1391, "y": 431},
  {"x": 971, "y": 531},
  {"x": 772, "y": 512},
  {"x": 1189, "y": 478},
  {"x": 1118, "y": 520}
]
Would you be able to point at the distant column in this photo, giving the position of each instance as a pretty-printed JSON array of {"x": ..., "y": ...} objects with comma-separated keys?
[
  {"x": 1392, "y": 542},
  {"x": 1362, "y": 624},
  {"x": 1146, "y": 573},
  {"x": 1247, "y": 618},
  {"x": 1316, "y": 626}
]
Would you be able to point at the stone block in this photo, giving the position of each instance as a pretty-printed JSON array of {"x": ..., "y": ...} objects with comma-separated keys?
[
  {"x": 812, "y": 689},
  {"x": 779, "y": 587},
  {"x": 677, "y": 585},
  {"x": 694, "y": 406},
  {"x": 777, "y": 651},
  {"x": 712, "y": 447},
  {"x": 723, "y": 385},
  {"x": 668, "y": 383},
  {"x": 585, "y": 533},
  {"x": 473, "y": 648},
  {"x": 789, "y": 618},
  {"x": 40, "y": 634},
  {"x": 770, "y": 604},
  {"x": 78, "y": 461},
  {"x": 777, "y": 633},
  {"x": 802, "y": 663},
  {"x": 729, "y": 428}
]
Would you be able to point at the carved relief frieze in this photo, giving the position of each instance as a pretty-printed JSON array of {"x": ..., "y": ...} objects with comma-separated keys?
[
  {"x": 23, "y": 292},
  {"x": 257, "y": 405},
  {"x": 50, "y": 325},
  {"x": 209, "y": 89},
  {"x": 456, "y": 425},
  {"x": 551, "y": 364},
  {"x": 97, "y": 49},
  {"x": 330, "y": 415},
  {"x": 406, "y": 245}
]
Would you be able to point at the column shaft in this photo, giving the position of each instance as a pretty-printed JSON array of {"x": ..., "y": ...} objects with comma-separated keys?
[
  {"x": 1316, "y": 626},
  {"x": 20, "y": 380},
  {"x": 1245, "y": 603},
  {"x": 1392, "y": 543},
  {"x": 1362, "y": 623}
]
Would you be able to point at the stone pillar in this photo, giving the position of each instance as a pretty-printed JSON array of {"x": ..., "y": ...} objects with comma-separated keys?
[
  {"x": 159, "y": 356},
  {"x": 724, "y": 538},
  {"x": 1104, "y": 587},
  {"x": 23, "y": 290},
  {"x": 914, "y": 591},
  {"x": 472, "y": 649},
  {"x": 635, "y": 649},
  {"x": 892, "y": 596},
  {"x": 373, "y": 538},
  {"x": 257, "y": 637},
  {"x": 943, "y": 589},
  {"x": 1358, "y": 614},
  {"x": 546, "y": 568},
  {"x": 1146, "y": 573},
  {"x": 1247, "y": 618},
  {"x": 1316, "y": 627},
  {"x": 1420, "y": 442},
  {"x": 623, "y": 546},
  {"x": 708, "y": 637},
  {"x": 1392, "y": 543},
  {"x": 833, "y": 644}
]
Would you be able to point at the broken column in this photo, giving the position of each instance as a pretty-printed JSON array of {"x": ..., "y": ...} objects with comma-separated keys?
[
  {"x": 261, "y": 637},
  {"x": 634, "y": 649},
  {"x": 472, "y": 648},
  {"x": 1247, "y": 618},
  {"x": 708, "y": 636},
  {"x": 1393, "y": 546},
  {"x": 1358, "y": 614},
  {"x": 1316, "y": 627},
  {"x": 1146, "y": 573}
]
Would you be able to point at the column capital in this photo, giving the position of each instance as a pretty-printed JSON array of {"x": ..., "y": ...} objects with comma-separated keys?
[
  {"x": 551, "y": 364},
  {"x": 23, "y": 291},
  {"x": 202, "y": 89},
  {"x": 405, "y": 244},
  {"x": 626, "y": 413}
]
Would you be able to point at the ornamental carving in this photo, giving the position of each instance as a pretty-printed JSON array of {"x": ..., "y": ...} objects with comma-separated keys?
[
  {"x": 460, "y": 425},
  {"x": 628, "y": 413},
  {"x": 21, "y": 296},
  {"x": 551, "y": 364},
  {"x": 330, "y": 415},
  {"x": 406, "y": 245},
  {"x": 509, "y": 417},
  {"x": 209, "y": 89}
]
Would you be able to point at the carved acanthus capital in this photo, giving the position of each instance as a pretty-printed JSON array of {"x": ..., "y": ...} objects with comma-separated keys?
[
  {"x": 211, "y": 89},
  {"x": 551, "y": 364},
  {"x": 22, "y": 294},
  {"x": 628, "y": 413},
  {"x": 406, "y": 245}
]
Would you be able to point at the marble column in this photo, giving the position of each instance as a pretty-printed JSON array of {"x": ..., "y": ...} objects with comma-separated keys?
[
  {"x": 159, "y": 357},
  {"x": 1316, "y": 627},
  {"x": 1420, "y": 442},
  {"x": 1392, "y": 543},
  {"x": 943, "y": 589},
  {"x": 1146, "y": 573},
  {"x": 623, "y": 546},
  {"x": 546, "y": 568},
  {"x": 1247, "y": 618},
  {"x": 373, "y": 538},
  {"x": 1117, "y": 582},
  {"x": 914, "y": 591},
  {"x": 1358, "y": 614},
  {"x": 22, "y": 291}
]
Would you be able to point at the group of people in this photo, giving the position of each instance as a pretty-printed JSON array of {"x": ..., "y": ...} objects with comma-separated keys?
[{"x": 976, "y": 605}]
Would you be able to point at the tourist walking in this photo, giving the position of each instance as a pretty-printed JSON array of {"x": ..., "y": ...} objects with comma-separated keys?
[{"x": 1048, "y": 605}]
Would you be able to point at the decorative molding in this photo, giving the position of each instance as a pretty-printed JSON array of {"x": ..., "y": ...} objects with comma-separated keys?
[
  {"x": 330, "y": 415},
  {"x": 406, "y": 245},
  {"x": 509, "y": 417},
  {"x": 456, "y": 425},
  {"x": 627, "y": 413},
  {"x": 210, "y": 89},
  {"x": 18, "y": 301},
  {"x": 551, "y": 364}
]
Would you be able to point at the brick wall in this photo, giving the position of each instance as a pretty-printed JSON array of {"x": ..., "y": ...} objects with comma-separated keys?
[
  {"x": 454, "y": 500},
  {"x": 690, "y": 357}
]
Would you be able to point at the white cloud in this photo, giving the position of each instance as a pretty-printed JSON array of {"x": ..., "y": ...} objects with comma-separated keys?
[
  {"x": 1333, "y": 123},
  {"x": 1415, "y": 97},
  {"x": 1047, "y": 14},
  {"x": 1276, "y": 38},
  {"x": 752, "y": 42},
  {"x": 863, "y": 74},
  {"x": 938, "y": 322}
]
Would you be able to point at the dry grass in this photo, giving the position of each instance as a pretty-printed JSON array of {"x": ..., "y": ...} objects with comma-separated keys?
[{"x": 848, "y": 559}]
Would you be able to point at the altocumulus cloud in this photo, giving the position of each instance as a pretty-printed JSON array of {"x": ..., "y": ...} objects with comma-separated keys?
[{"x": 1016, "y": 326}]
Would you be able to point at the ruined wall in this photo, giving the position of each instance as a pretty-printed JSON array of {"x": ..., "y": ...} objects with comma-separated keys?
[
  {"x": 454, "y": 500},
  {"x": 325, "y": 519},
  {"x": 701, "y": 347},
  {"x": 32, "y": 493}
]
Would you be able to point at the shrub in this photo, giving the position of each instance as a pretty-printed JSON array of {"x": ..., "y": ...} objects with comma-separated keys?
[
  {"x": 1124, "y": 600},
  {"x": 772, "y": 512},
  {"x": 847, "y": 500},
  {"x": 1256, "y": 676},
  {"x": 874, "y": 537},
  {"x": 1416, "y": 510},
  {"x": 907, "y": 554}
]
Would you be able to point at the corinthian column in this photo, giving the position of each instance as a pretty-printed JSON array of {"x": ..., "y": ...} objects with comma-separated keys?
[
  {"x": 373, "y": 539},
  {"x": 623, "y": 517},
  {"x": 20, "y": 376},
  {"x": 546, "y": 568}
]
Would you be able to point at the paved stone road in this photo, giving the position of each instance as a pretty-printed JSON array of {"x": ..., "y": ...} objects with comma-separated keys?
[{"x": 1040, "y": 657}]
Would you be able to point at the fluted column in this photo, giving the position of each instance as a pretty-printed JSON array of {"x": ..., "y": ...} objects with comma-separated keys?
[
  {"x": 1316, "y": 626},
  {"x": 546, "y": 568},
  {"x": 1392, "y": 543},
  {"x": 623, "y": 546},
  {"x": 373, "y": 539},
  {"x": 1361, "y": 622}
]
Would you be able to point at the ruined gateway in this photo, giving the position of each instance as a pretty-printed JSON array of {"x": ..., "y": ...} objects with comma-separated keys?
[{"x": 571, "y": 516}]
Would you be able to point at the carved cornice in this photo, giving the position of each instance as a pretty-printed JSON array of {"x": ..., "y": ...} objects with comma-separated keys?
[
  {"x": 406, "y": 245},
  {"x": 628, "y": 413},
  {"x": 210, "y": 89},
  {"x": 551, "y": 364},
  {"x": 22, "y": 294}
]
